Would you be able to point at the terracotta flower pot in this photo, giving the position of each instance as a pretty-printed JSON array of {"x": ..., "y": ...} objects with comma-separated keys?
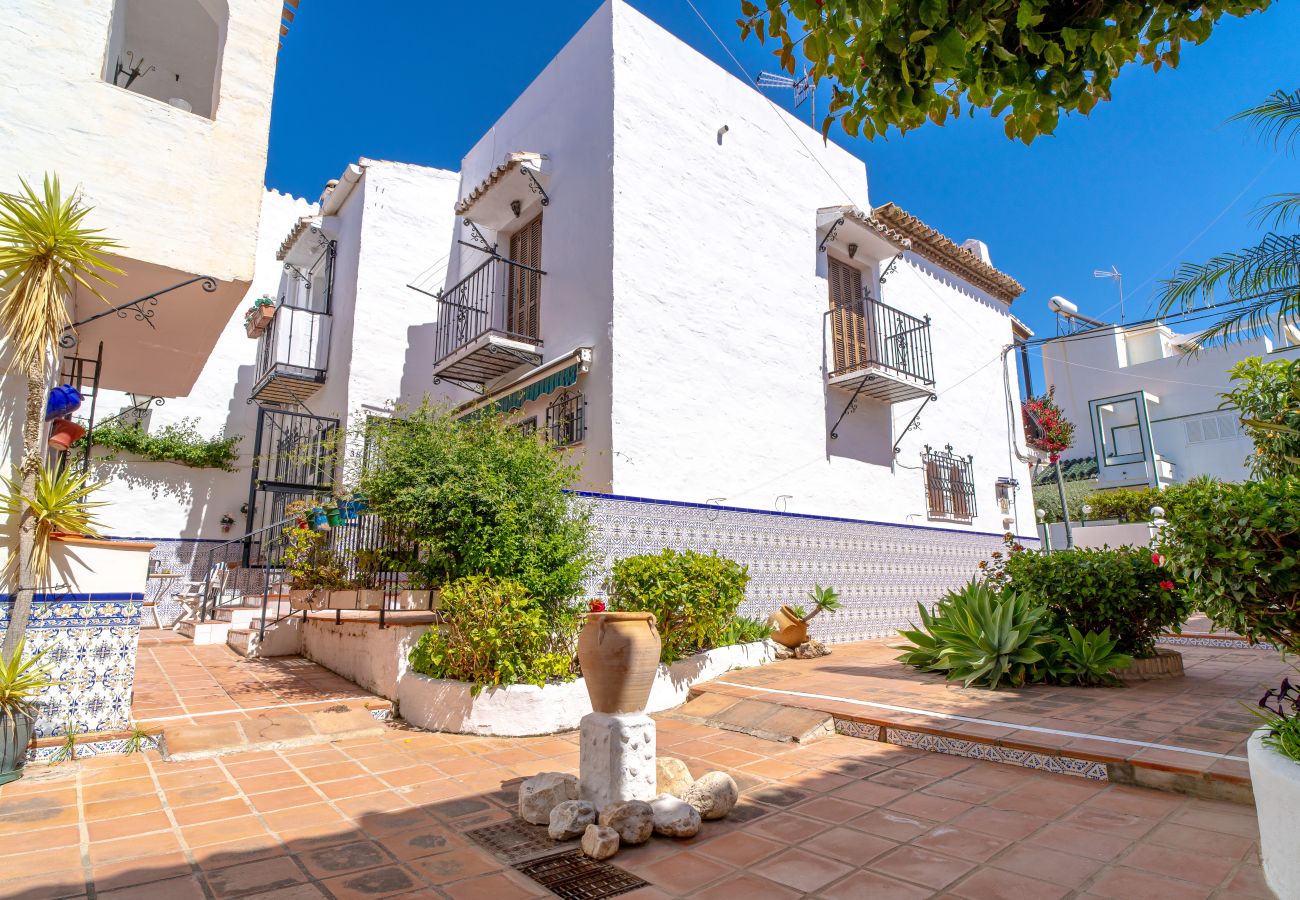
[
  {"x": 64, "y": 433},
  {"x": 259, "y": 321},
  {"x": 619, "y": 654},
  {"x": 788, "y": 629}
]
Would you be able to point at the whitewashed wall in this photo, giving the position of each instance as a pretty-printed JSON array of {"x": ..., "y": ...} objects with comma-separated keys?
[
  {"x": 164, "y": 500},
  {"x": 1187, "y": 387},
  {"x": 719, "y": 303}
]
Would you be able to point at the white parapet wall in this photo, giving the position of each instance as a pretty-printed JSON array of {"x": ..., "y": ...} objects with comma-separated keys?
[
  {"x": 1125, "y": 534},
  {"x": 437, "y": 704}
]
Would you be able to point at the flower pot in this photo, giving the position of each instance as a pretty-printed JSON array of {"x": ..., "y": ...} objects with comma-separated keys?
[
  {"x": 619, "y": 655},
  {"x": 369, "y": 598},
  {"x": 306, "y": 599},
  {"x": 788, "y": 629},
  {"x": 333, "y": 515},
  {"x": 1275, "y": 780},
  {"x": 64, "y": 433},
  {"x": 259, "y": 321},
  {"x": 15, "y": 737},
  {"x": 417, "y": 600},
  {"x": 64, "y": 401},
  {"x": 319, "y": 520},
  {"x": 341, "y": 600}
]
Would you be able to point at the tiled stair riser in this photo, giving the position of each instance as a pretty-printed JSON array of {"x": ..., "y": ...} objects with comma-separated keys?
[{"x": 1060, "y": 765}]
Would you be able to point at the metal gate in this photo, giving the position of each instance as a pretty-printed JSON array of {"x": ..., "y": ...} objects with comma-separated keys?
[{"x": 295, "y": 457}]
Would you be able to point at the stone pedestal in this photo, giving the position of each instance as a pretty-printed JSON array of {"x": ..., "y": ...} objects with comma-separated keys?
[{"x": 617, "y": 758}]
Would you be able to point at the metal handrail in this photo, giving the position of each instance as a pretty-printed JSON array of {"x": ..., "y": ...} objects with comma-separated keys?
[{"x": 207, "y": 607}]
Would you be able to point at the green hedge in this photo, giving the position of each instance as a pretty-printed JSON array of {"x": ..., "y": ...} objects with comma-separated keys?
[
  {"x": 180, "y": 444},
  {"x": 1123, "y": 591},
  {"x": 1237, "y": 549},
  {"x": 694, "y": 597}
]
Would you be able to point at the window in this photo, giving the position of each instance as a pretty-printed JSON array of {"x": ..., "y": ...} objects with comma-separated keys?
[
  {"x": 1212, "y": 427},
  {"x": 169, "y": 50},
  {"x": 848, "y": 323},
  {"x": 527, "y": 426},
  {"x": 525, "y": 290},
  {"x": 949, "y": 485},
  {"x": 566, "y": 419}
]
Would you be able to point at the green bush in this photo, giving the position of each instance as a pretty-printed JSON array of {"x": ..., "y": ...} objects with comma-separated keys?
[
  {"x": 1268, "y": 397},
  {"x": 180, "y": 443},
  {"x": 1048, "y": 498},
  {"x": 694, "y": 597},
  {"x": 1122, "y": 592},
  {"x": 1236, "y": 548},
  {"x": 496, "y": 634},
  {"x": 480, "y": 497}
]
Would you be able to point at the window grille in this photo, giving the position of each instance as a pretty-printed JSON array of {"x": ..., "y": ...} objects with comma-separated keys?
[
  {"x": 1213, "y": 427},
  {"x": 527, "y": 426},
  {"x": 949, "y": 484},
  {"x": 566, "y": 419}
]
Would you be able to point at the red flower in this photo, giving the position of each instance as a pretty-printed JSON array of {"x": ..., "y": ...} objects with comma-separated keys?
[
  {"x": 1167, "y": 585},
  {"x": 597, "y": 606},
  {"x": 1157, "y": 559}
]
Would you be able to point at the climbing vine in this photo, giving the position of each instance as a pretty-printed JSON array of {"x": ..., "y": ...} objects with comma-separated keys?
[{"x": 180, "y": 443}]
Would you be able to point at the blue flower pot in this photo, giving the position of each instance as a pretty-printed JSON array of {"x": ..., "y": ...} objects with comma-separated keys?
[
  {"x": 63, "y": 401},
  {"x": 318, "y": 519}
]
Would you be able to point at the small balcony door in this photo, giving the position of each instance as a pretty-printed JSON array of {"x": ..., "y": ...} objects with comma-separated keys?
[
  {"x": 525, "y": 289},
  {"x": 849, "y": 324}
]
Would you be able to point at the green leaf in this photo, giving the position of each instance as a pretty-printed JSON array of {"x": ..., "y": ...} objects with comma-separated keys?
[{"x": 932, "y": 12}]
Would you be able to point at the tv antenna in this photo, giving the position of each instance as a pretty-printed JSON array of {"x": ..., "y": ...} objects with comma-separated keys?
[
  {"x": 802, "y": 88},
  {"x": 1113, "y": 273}
]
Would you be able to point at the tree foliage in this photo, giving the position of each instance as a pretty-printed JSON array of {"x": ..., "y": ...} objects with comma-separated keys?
[
  {"x": 906, "y": 62},
  {"x": 1268, "y": 398}
]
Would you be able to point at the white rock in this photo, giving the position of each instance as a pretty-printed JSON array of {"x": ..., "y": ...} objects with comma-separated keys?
[
  {"x": 542, "y": 793},
  {"x": 570, "y": 819},
  {"x": 713, "y": 795},
  {"x": 675, "y": 817},
  {"x": 616, "y": 759},
  {"x": 672, "y": 776},
  {"x": 599, "y": 842},
  {"x": 634, "y": 820}
]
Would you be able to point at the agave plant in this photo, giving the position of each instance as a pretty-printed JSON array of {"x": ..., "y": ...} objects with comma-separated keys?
[
  {"x": 21, "y": 681},
  {"x": 978, "y": 636},
  {"x": 57, "y": 503},
  {"x": 1086, "y": 659}
]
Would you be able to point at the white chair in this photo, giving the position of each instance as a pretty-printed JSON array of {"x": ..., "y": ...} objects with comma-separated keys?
[{"x": 192, "y": 594}]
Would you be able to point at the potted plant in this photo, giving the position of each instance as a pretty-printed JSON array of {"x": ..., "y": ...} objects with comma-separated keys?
[
  {"x": 361, "y": 592},
  {"x": 64, "y": 433},
  {"x": 259, "y": 316},
  {"x": 21, "y": 682},
  {"x": 59, "y": 504},
  {"x": 619, "y": 655},
  {"x": 790, "y": 623},
  {"x": 1274, "y": 754}
]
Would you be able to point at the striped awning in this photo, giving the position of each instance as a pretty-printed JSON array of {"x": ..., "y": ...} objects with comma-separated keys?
[{"x": 566, "y": 377}]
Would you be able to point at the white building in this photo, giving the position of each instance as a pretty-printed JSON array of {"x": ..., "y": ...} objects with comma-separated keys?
[
  {"x": 660, "y": 268},
  {"x": 1147, "y": 408}
]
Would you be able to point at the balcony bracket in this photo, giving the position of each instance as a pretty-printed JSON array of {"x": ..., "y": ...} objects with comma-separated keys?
[
  {"x": 488, "y": 246},
  {"x": 851, "y": 406},
  {"x": 536, "y": 186},
  {"x": 142, "y": 308},
  {"x": 464, "y": 385},
  {"x": 915, "y": 422},
  {"x": 889, "y": 269},
  {"x": 830, "y": 236}
]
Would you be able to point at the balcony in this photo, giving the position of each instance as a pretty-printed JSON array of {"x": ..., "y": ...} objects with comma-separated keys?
[
  {"x": 488, "y": 323},
  {"x": 292, "y": 356},
  {"x": 880, "y": 352}
]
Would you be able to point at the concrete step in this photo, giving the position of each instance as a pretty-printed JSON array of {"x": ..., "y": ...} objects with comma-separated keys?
[
  {"x": 271, "y": 730},
  {"x": 281, "y": 638},
  {"x": 769, "y": 721}
]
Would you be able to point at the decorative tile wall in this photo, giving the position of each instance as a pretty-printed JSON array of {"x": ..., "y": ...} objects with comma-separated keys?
[
  {"x": 189, "y": 560},
  {"x": 1059, "y": 765},
  {"x": 880, "y": 570},
  {"x": 90, "y": 642}
]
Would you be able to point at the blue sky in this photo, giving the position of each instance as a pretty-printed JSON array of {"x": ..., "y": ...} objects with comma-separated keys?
[{"x": 1151, "y": 178}]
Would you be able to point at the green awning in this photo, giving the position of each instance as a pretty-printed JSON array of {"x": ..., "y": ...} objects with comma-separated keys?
[{"x": 566, "y": 377}]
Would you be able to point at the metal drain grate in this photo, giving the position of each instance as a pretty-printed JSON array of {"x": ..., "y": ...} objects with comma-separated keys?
[
  {"x": 514, "y": 841},
  {"x": 572, "y": 876}
]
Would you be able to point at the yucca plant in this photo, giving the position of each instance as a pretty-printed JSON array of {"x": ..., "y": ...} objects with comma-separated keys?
[
  {"x": 21, "y": 682},
  {"x": 980, "y": 637},
  {"x": 1085, "y": 659},
  {"x": 57, "y": 503},
  {"x": 46, "y": 249},
  {"x": 824, "y": 599}
]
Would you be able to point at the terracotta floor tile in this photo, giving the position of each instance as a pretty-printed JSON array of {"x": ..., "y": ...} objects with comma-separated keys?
[
  {"x": 1185, "y": 865},
  {"x": 204, "y": 813},
  {"x": 1000, "y": 822},
  {"x": 804, "y": 868},
  {"x": 994, "y": 884},
  {"x": 788, "y": 828},
  {"x": 343, "y": 858},
  {"x": 274, "y": 801},
  {"x": 682, "y": 872},
  {"x": 125, "y": 873},
  {"x": 916, "y": 864},
  {"x": 254, "y": 877},
  {"x": 454, "y": 865},
  {"x": 184, "y": 888},
  {"x": 44, "y": 886},
  {"x": 385, "y": 881},
  {"x": 1199, "y": 840},
  {"x": 848, "y": 845},
  {"x": 744, "y": 885},
  {"x": 926, "y": 806},
  {"x": 501, "y": 886},
  {"x": 1081, "y": 841},
  {"x": 894, "y": 826},
  {"x": 867, "y": 884},
  {"x": 961, "y": 842},
  {"x": 739, "y": 848},
  {"x": 1122, "y": 883},
  {"x": 1066, "y": 869},
  {"x": 132, "y": 847}
]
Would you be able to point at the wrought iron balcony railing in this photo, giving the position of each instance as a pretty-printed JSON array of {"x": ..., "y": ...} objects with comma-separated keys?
[
  {"x": 292, "y": 355},
  {"x": 488, "y": 322},
  {"x": 871, "y": 340}
]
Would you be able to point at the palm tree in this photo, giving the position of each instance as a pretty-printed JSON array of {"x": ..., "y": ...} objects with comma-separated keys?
[
  {"x": 45, "y": 251},
  {"x": 1264, "y": 279}
]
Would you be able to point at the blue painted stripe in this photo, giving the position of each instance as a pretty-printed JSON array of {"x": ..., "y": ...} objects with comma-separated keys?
[
  {"x": 790, "y": 515},
  {"x": 119, "y": 597}
]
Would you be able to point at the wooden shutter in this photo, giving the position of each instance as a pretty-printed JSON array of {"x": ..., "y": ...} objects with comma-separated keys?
[
  {"x": 934, "y": 490},
  {"x": 958, "y": 488},
  {"x": 524, "y": 299},
  {"x": 848, "y": 325}
]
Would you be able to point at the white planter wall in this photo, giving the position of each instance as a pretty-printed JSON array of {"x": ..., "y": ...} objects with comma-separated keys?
[{"x": 1275, "y": 781}]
